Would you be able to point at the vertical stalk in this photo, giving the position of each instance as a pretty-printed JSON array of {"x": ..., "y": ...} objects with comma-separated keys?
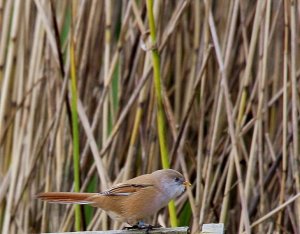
[
  {"x": 160, "y": 112},
  {"x": 105, "y": 118},
  {"x": 75, "y": 131},
  {"x": 295, "y": 102},
  {"x": 284, "y": 116}
]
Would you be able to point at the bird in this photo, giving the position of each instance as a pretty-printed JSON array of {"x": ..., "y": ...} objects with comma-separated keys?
[{"x": 131, "y": 201}]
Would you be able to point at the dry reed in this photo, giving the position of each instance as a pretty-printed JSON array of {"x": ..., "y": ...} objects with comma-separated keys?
[{"x": 228, "y": 94}]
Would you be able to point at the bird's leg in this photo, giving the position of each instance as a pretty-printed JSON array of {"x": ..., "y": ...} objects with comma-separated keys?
[{"x": 142, "y": 225}]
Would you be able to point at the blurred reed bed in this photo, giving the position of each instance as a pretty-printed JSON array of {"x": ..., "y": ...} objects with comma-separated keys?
[{"x": 227, "y": 104}]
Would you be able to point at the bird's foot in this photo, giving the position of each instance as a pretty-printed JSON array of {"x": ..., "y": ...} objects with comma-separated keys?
[{"x": 142, "y": 226}]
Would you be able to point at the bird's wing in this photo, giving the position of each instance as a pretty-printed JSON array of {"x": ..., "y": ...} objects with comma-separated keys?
[{"x": 125, "y": 189}]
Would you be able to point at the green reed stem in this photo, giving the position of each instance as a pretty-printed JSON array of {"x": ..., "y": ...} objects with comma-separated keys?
[
  {"x": 160, "y": 111},
  {"x": 75, "y": 131}
]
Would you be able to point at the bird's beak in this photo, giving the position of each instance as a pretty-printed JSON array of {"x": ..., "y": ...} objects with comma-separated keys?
[{"x": 186, "y": 184}]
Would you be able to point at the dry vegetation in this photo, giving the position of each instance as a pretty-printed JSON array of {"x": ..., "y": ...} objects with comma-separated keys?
[{"x": 230, "y": 106}]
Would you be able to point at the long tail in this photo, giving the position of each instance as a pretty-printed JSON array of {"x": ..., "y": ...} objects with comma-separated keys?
[{"x": 67, "y": 198}]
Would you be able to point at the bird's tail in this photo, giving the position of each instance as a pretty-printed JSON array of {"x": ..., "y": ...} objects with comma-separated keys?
[{"x": 66, "y": 198}]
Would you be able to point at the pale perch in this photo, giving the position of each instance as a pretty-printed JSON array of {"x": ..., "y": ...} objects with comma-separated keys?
[{"x": 177, "y": 230}]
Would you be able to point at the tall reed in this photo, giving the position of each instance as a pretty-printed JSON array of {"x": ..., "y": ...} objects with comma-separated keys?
[{"x": 115, "y": 89}]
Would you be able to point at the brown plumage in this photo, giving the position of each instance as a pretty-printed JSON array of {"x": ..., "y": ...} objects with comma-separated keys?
[{"x": 132, "y": 200}]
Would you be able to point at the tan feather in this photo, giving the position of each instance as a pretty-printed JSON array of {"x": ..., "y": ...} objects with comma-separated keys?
[{"x": 66, "y": 197}]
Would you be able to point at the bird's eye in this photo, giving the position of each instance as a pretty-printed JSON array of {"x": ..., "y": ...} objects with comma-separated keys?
[{"x": 176, "y": 179}]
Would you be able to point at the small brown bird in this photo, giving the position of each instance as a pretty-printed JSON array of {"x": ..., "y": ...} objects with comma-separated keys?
[{"x": 131, "y": 201}]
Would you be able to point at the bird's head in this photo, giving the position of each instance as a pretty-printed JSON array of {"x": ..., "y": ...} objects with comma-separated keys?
[{"x": 171, "y": 182}]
